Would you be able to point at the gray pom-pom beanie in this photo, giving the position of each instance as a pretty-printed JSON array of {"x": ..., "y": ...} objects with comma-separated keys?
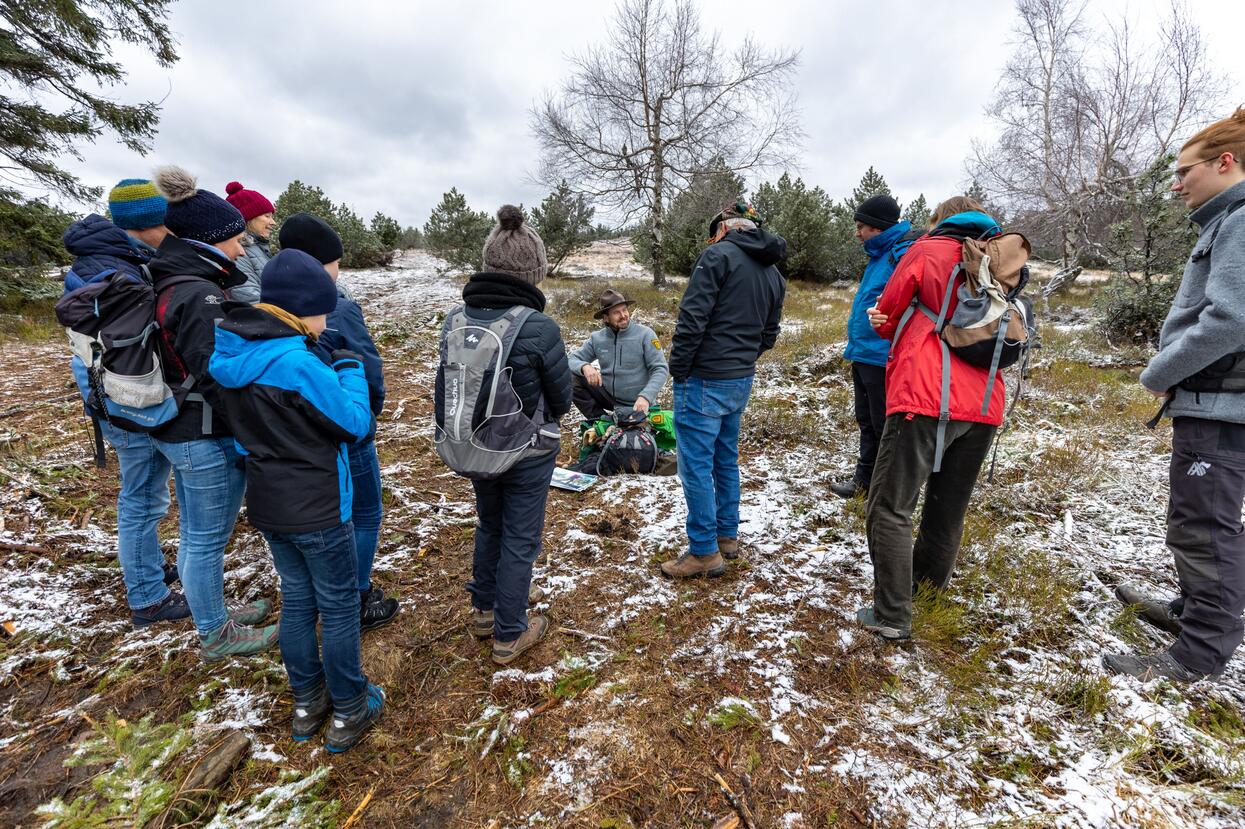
[{"x": 514, "y": 249}]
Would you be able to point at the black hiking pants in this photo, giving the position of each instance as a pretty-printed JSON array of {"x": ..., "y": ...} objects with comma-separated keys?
[
  {"x": 1205, "y": 534},
  {"x": 869, "y": 385},
  {"x": 592, "y": 401},
  {"x": 904, "y": 464}
]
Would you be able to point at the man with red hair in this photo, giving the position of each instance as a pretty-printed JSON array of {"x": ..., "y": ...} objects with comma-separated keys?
[{"x": 1199, "y": 373}]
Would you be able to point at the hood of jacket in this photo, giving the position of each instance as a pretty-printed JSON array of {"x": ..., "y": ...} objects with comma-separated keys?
[
  {"x": 248, "y": 341},
  {"x": 884, "y": 241},
  {"x": 499, "y": 290},
  {"x": 765, "y": 248},
  {"x": 972, "y": 224},
  {"x": 186, "y": 257},
  {"x": 98, "y": 246}
]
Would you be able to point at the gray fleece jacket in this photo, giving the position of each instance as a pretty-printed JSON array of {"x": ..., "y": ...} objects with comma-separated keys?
[
  {"x": 252, "y": 264},
  {"x": 1207, "y": 318},
  {"x": 631, "y": 361}
]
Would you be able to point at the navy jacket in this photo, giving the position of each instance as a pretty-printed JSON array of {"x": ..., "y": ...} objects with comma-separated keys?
[
  {"x": 538, "y": 358},
  {"x": 293, "y": 418},
  {"x": 100, "y": 246},
  {"x": 884, "y": 252},
  {"x": 188, "y": 312},
  {"x": 347, "y": 329},
  {"x": 731, "y": 312}
]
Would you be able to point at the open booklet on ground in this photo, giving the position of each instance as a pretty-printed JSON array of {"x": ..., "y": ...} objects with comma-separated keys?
[{"x": 570, "y": 480}]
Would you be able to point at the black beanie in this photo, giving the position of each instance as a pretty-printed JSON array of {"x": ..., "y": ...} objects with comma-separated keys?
[
  {"x": 312, "y": 235},
  {"x": 880, "y": 211},
  {"x": 294, "y": 281}
]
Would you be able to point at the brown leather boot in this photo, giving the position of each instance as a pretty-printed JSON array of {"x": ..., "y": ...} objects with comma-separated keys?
[
  {"x": 506, "y": 652},
  {"x": 481, "y": 624},
  {"x": 688, "y": 566},
  {"x": 729, "y": 548}
]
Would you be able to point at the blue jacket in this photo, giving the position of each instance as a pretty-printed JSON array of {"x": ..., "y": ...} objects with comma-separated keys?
[
  {"x": 347, "y": 329},
  {"x": 101, "y": 247},
  {"x": 884, "y": 252},
  {"x": 293, "y": 417}
]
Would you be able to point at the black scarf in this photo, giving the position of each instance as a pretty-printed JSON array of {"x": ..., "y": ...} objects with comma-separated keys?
[{"x": 497, "y": 290}]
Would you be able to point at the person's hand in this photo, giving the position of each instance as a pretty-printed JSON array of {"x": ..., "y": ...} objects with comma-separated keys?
[
  {"x": 593, "y": 375},
  {"x": 1161, "y": 395},
  {"x": 876, "y": 318},
  {"x": 641, "y": 405}
]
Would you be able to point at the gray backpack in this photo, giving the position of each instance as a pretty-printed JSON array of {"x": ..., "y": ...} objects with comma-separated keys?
[{"x": 481, "y": 430}]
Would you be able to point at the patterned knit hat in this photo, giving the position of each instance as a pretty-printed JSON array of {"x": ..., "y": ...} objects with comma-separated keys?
[
  {"x": 250, "y": 203},
  {"x": 514, "y": 249},
  {"x": 739, "y": 209},
  {"x": 135, "y": 204},
  {"x": 194, "y": 213}
]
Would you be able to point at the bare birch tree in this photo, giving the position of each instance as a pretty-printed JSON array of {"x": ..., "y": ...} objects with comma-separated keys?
[
  {"x": 1084, "y": 114},
  {"x": 661, "y": 98}
]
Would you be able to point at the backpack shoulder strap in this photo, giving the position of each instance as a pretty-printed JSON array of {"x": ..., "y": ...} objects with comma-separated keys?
[{"x": 517, "y": 315}]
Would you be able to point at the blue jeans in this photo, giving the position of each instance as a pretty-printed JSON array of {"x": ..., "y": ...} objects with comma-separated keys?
[
  {"x": 317, "y": 582},
  {"x": 209, "y": 480},
  {"x": 365, "y": 508},
  {"x": 141, "y": 505},
  {"x": 707, "y": 414},
  {"x": 510, "y": 519}
]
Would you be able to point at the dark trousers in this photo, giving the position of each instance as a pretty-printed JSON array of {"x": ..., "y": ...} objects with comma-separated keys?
[
  {"x": 510, "y": 520},
  {"x": 869, "y": 384},
  {"x": 904, "y": 464},
  {"x": 317, "y": 572},
  {"x": 592, "y": 401},
  {"x": 366, "y": 509},
  {"x": 1205, "y": 534}
]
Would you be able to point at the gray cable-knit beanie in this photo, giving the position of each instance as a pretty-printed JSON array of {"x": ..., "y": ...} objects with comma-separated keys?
[{"x": 513, "y": 248}]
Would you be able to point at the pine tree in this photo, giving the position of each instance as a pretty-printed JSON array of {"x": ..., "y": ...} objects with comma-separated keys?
[
  {"x": 387, "y": 230},
  {"x": 687, "y": 217},
  {"x": 58, "y": 53},
  {"x": 361, "y": 247},
  {"x": 564, "y": 222},
  {"x": 918, "y": 212},
  {"x": 871, "y": 184},
  {"x": 805, "y": 218},
  {"x": 456, "y": 233}
]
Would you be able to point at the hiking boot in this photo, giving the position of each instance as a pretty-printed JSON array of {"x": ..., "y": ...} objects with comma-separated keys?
[
  {"x": 251, "y": 613},
  {"x": 1151, "y": 667},
  {"x": 1152, "y": 610},
  {"x": 848, "y": 489},
  {"x": 688, "y": 566},
  {"x": 233, "y": 639},
  {"x": 481, "y": 624},
  {"x": 171, "y": 576},
  {"x": 867, "y": 617},
  {"x": 345, "y": 732},
  {"x": 310, "y": 715},
  {"x": 506, "y": 652},
  {"x": 375, "y": 610},
  {"x": 729, "y": 548},
  {"x": 171, "y": 608}
]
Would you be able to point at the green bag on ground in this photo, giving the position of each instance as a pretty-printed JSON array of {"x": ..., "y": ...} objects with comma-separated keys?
[{"x": 661, "y": 421}]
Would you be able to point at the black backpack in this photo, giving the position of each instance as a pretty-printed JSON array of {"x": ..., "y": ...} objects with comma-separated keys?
[{"x": 631, "y": 449}]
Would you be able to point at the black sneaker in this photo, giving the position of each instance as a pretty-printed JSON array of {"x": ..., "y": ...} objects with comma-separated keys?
[
  {"x": 1160, "y": 665},
  {"x": 1155, "y": 611},
  {"x": 171, "y": 576},
  {"x": 345, "y": 732},
  {"x": 310, "y": 716},
  {"x": 169, "y": 609},
  {"x": 375, "y": 610},
  {"x": 848, "y": 489}
]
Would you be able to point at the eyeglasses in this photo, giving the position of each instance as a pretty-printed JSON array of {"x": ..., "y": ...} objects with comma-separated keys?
[{"x": 1180, "y": 172}]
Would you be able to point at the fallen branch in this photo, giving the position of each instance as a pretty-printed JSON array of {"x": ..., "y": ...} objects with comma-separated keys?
[
  {"x": 737, "y": 804},
  {"x": 596, "y": 637},
  {"x": 358, "y": 812},
  {"x": 21, "y": 548}
]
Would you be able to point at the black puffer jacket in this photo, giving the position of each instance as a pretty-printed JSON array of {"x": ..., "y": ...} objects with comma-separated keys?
[
  {"x": 732, "y": 308},
  {"x": 538, "y": 358}
]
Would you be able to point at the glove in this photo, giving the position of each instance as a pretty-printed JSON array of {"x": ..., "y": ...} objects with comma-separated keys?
[{"x": 345, "y": 354}]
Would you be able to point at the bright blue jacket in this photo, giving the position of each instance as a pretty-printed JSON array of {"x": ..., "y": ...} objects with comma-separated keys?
[
  {"x": 293, "y": 416},
  {"x": 884, "y": 251}
]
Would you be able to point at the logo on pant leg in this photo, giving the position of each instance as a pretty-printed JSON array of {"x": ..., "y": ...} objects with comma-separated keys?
[{"x": 1199, "y": 469}]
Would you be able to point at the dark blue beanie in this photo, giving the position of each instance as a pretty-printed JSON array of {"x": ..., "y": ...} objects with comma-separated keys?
[
  {"x": 294, "y": 281},
  {"x": 196, "y": 214}
]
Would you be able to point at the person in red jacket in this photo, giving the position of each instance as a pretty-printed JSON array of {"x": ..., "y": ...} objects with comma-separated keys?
[{"x": 912, "y": 437}]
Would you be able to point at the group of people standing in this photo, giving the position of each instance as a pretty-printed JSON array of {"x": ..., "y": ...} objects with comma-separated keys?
[{"x": 286, "y": 385}]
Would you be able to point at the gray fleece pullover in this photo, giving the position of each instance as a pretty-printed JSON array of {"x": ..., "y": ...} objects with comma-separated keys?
[
  {"x": 631, "y": 361},
  {"x": 1207, "y": 318}
]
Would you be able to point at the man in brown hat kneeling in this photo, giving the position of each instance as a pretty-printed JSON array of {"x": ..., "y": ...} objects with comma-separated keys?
[{"x": 631, "y": 367}]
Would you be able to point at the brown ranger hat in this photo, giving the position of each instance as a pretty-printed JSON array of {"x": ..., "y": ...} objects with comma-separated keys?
[{"x": 611, "y": 299}]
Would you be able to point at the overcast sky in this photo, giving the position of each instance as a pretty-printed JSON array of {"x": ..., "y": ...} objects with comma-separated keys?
[{"x": 386, "y": 105}]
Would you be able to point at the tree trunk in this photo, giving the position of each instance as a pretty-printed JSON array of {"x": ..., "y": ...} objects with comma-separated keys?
[{"x": 657, "y": 222}]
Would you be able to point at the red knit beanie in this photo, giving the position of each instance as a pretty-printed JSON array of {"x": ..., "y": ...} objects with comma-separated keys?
[{"x": 249, "y": 203}]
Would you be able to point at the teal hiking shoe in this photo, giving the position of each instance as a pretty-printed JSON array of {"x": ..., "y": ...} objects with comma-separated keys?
[
  {"x": 252, "y": 613},
  {"x": 233, "y": 639},
  {"x": 345, "y": 732}
]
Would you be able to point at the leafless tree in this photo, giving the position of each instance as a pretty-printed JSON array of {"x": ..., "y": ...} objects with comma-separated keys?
[
  {"x": 1083, "y": 114},
  {"x": 641, "y": 113}
]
